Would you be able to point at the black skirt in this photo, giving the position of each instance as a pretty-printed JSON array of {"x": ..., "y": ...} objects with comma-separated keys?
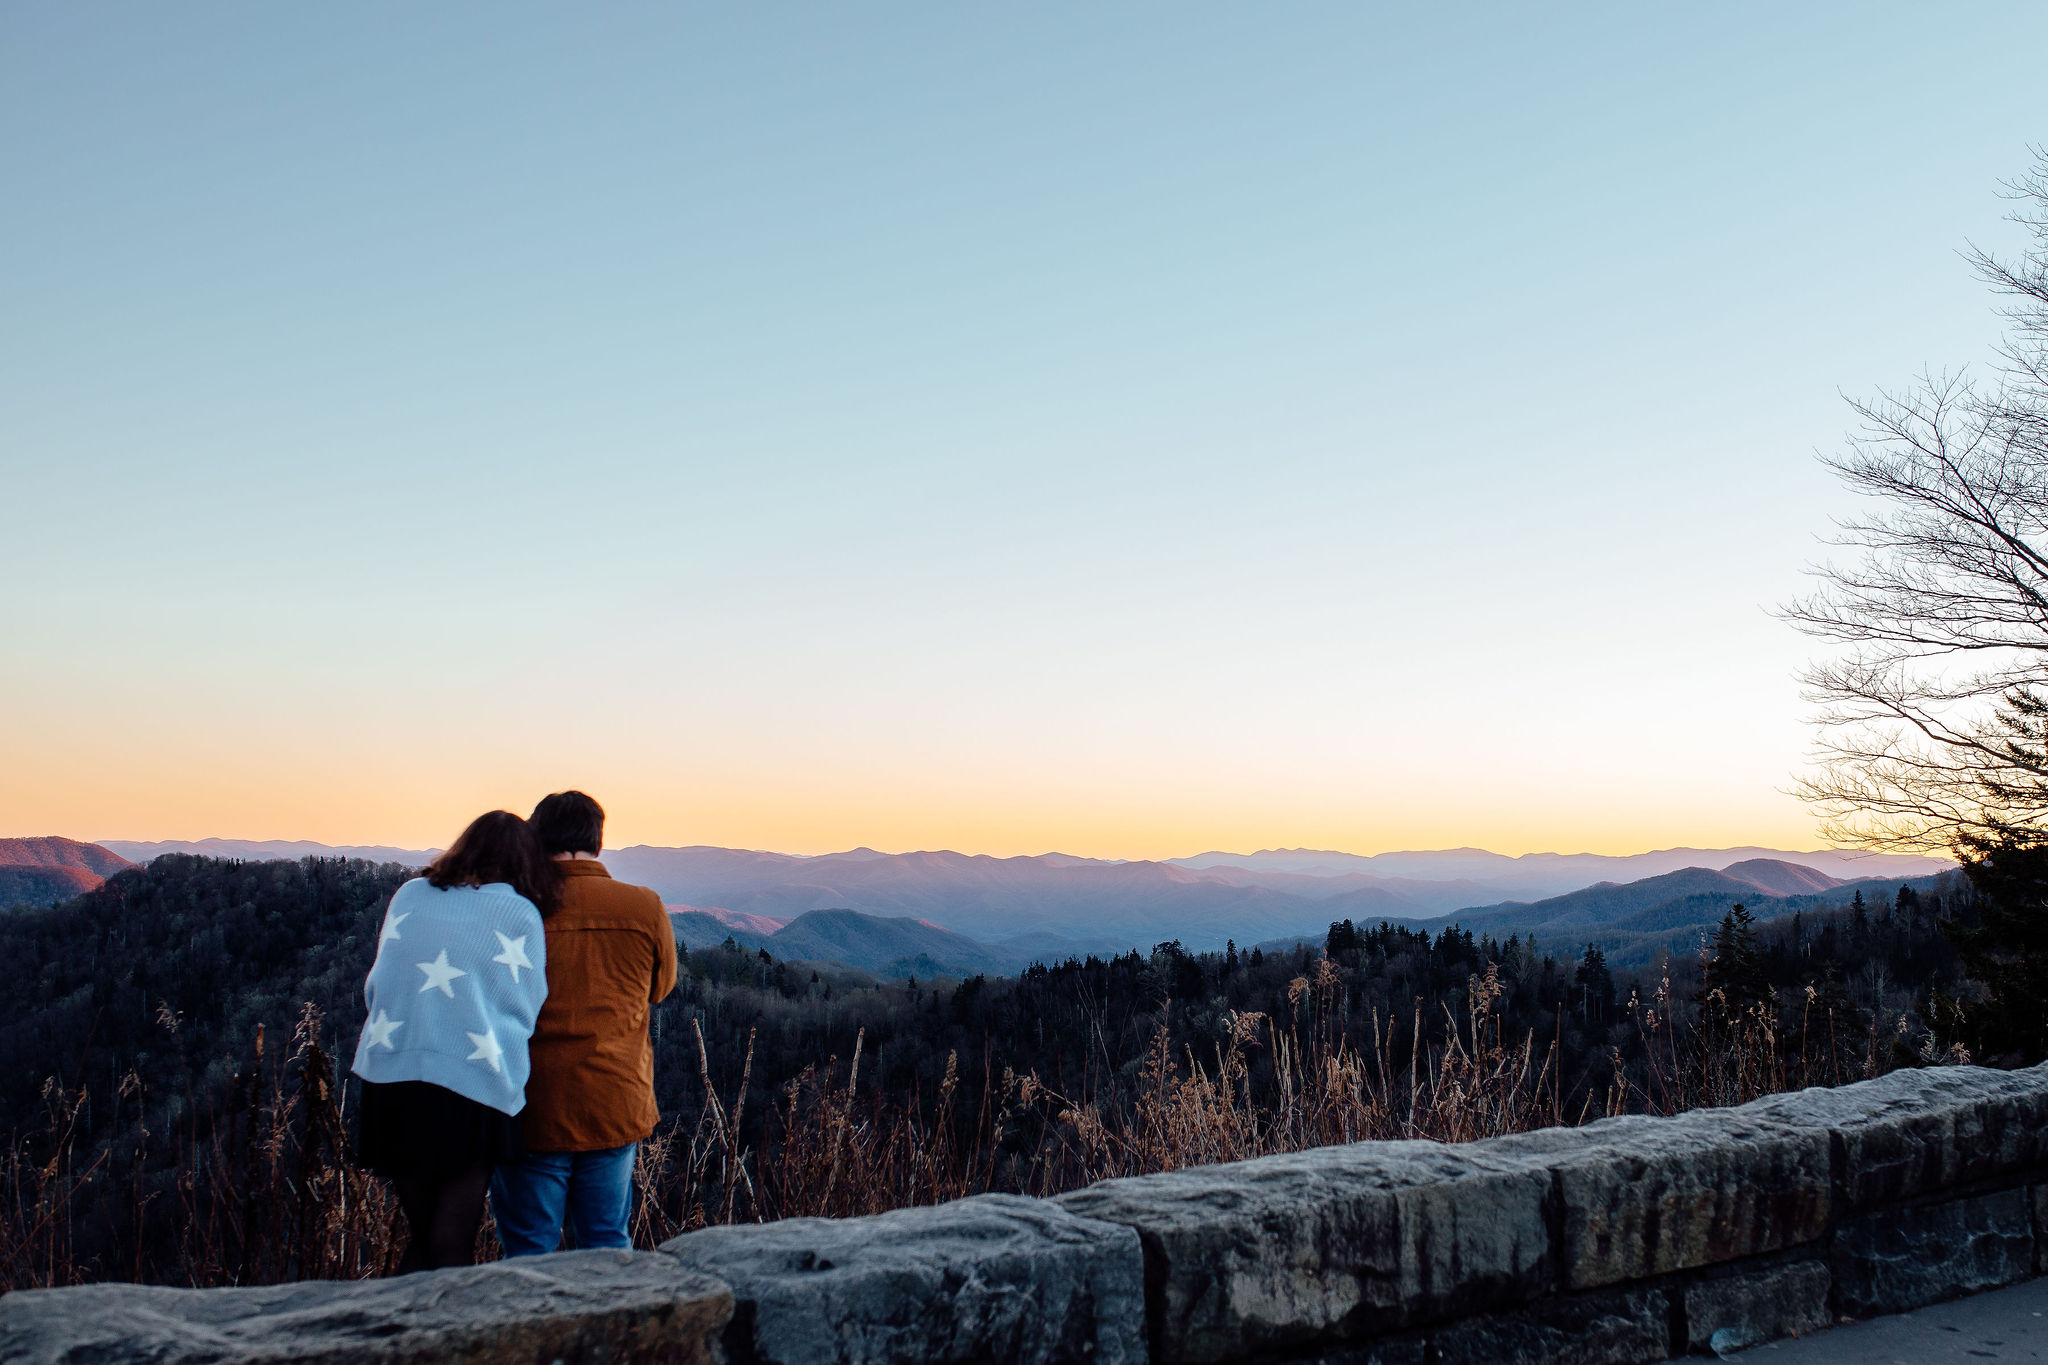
[{"x": 416, "y": 1128}]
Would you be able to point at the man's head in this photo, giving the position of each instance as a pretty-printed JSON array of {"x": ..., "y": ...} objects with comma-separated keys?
[{"x": 569, "y": 822}]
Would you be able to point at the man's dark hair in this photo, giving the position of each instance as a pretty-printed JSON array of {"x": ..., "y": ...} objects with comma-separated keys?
[
  {"x": 569, "y": 822},
  {"x": 499, "y": 847}
]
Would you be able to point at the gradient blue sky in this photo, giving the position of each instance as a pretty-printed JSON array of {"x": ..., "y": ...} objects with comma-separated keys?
[{"x": 1130, "y": 430}]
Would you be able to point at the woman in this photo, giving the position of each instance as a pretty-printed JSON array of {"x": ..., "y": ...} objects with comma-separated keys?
[{"x": 460, "y": 974}]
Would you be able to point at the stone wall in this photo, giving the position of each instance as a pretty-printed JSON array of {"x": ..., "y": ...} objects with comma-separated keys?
[{"x": 1633, "y": 1239}]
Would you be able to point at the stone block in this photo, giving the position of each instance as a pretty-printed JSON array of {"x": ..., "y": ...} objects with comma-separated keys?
[
  {"x": 993, "y": 1278},
  {"x": 1328, "y": 1246},
  {"x": 1897, "y": 1259},
  {"x": 1641, "y": 1196},
  {"x": 1410, "y": 1348},
  {"x": 1606, "y": 1327},
  {"x": 1917, "y": 1132},
  {"x": 577, "y": 1307},
  {"x": 2038, "y": 1196},
  {"x": 1732, "y": 1312}
]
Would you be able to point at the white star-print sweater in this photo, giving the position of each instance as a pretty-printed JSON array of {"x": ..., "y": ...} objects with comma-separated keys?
[{"x": 459, "y": 979}]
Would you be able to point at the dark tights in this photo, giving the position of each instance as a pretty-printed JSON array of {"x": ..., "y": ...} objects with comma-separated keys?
[{"x": 444, "y": 1213}]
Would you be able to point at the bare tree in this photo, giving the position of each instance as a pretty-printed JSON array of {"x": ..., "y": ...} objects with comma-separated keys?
[{"x": 1933, "y": 705}]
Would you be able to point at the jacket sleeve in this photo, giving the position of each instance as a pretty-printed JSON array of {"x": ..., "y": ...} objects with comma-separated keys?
[{"x": 664, "y": 952}]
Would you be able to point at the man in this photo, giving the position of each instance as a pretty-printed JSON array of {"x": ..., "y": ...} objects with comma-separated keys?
[{"x": 611, "y": 957}]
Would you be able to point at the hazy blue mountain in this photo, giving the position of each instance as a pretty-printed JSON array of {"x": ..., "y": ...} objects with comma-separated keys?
[
  {"x": 1406, "y": 895},
  {"x": 1533, "y": 875},
  {"x": 1132, "y": 904},
  {"x": 1633, "y": 921},
  {"x": 269, "y": 850},
  {"x": 880, "y": 944},
  {"x": 894, "y": 947},
  {"x": 695, "y": 929},
  {"x": 1692, "y": 895},
  {"x": 1050, "y": 948},
  {"x": 1203, "y": 901}
]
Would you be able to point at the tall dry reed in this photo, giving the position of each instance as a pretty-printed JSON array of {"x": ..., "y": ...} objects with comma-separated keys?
[{"x": 262, "y": 1190}]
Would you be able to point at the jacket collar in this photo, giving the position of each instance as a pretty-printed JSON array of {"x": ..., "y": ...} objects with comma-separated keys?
[{"x": 581, "y": 867}]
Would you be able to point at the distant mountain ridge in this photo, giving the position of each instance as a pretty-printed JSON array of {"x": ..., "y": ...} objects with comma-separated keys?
[
  {"x": 1052, "y": 907},
  {"x": 270, "y": 850},
  {"x": 1056, "y": 899},
  {"x": 55, "y": 851},
  {"x": 887, "y": 946},
  {"x": 1551, "y": 873},
  {"x": 49, "y": 869},
  {"x": 1139, "y": 903},
  {"x": 763, "y": 925},
  {"x": 1632, "y": 921}
]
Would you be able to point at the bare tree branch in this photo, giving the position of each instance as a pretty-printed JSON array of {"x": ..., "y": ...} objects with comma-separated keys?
[{"x": 1929, "y": 711}]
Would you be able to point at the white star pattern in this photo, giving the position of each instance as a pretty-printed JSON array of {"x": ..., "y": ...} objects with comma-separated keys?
[
  {"x": 377, "y": 1033},
  {"x": 391, "y": 923},
  {"x": 487, "y": 1049},
  {"x": 439, "y": 974},
  {"x": 514, "y": 955}
]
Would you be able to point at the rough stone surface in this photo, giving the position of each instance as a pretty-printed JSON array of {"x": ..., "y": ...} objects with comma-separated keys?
[
  {"x": 1896, "y": 1259},
  {"x": 1608, "y": 1327},
  {"x": 1330, "y": 1245},
  {"x": 1735, "y": 1311},
  {"x": 578, "y": 1307},
  {"x": 1617, "y": 1242},
  {"x": 1917, "y": 1132},
  {"x": 2038, "y": 1194},
  {"x": 1411, "y": 1348},
  {"x": 1646, "y": 1196},
  {"x": 993, "y": 1278}
]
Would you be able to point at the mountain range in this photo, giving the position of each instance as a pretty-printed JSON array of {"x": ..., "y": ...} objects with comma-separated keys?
[
  {"x": 942, "y": 913},
  {"x": 268, "y": 850},
  {"x": 1054, "y": 904},
  {"x": 889, "y": 947},
  {"x": 1631, "y": 922},
  {"x": 1479, "y": 876}
]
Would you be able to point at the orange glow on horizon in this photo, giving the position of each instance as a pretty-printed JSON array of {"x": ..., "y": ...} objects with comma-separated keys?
[{"x": 171, "y": 795}]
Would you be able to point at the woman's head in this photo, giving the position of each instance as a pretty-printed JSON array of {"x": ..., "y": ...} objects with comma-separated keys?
[{"x": 498, "y": 847}]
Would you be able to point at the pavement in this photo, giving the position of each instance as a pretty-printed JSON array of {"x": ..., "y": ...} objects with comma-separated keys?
[{"x": 2005, "y": 1324}]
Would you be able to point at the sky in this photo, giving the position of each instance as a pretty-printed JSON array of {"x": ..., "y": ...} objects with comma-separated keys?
[{"x": 1129, "y": 430}]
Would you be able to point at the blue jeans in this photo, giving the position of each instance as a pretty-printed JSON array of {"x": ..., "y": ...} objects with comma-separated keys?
[{"x": 593, "y": 1190}]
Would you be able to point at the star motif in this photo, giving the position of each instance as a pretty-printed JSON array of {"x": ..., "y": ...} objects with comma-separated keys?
[
  {"x": 391, "y": 923},
  {"x": 439, "y": 974},
  {"x": 487, "y": 1049},
  {"x": 514, "y": 955},
  {"x": 377, "y": 1033}
]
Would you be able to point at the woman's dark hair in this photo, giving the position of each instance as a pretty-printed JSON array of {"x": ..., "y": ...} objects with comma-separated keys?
[
  {"x": 499, "y": 847},
  {"x": 568, "y": 822}
]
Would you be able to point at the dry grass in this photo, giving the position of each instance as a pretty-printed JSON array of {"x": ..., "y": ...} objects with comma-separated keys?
[{"x": 268, "y": 1194}]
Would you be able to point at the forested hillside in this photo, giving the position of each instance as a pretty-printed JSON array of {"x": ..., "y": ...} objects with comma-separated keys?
[{"x": 160, "y": 1092}]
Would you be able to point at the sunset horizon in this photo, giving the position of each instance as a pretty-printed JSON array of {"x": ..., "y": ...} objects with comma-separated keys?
[
  {"x": 1339, "y": 435},
  {"x": 900, "y": 683}
]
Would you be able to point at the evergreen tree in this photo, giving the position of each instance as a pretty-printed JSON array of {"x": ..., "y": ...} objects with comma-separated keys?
[
  {"x": 1735, "y": 981},
  {"x": 2006, "y": 950},
  {"x": 1596, "y": 986}
]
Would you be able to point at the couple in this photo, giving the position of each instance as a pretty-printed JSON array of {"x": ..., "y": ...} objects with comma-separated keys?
[{"x": 506, "y": 1045}]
